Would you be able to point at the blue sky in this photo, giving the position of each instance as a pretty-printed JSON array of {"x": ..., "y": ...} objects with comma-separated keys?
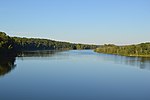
[{"x": 79, "y": 21}]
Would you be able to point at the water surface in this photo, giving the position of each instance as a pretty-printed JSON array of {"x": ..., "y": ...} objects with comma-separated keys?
[{"x": 74, "y": 75}]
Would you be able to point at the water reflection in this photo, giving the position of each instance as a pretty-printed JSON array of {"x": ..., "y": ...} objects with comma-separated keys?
[
  {"x": 7, "y": 64},
  {"x": 41, "y": 55},
  {"x": 141, "y": 62},
  {"x": 45, "y": 53}
]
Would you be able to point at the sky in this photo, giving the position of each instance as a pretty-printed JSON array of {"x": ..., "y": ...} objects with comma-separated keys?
[{"x": 79, "y": 21}]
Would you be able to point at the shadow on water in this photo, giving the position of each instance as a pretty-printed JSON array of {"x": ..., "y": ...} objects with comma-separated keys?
[{"x": 7, "y": 63}]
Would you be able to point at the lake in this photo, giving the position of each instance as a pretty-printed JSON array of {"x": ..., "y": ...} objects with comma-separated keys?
[{"x": 74, "y": 75}]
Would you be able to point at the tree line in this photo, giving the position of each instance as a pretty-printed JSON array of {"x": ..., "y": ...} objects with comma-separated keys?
[
  {"x": 8, "y": 43},
  {"x": 142, "y": 49}
]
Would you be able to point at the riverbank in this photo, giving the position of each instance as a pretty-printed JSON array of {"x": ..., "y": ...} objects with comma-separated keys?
[{"x": 138, "y": 50}]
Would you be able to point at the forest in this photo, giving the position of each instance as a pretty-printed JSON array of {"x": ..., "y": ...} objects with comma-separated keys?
[
  {"x": 9, "y": 44},
  {"x": 6, "y": 44},
  {"x": 142, "y": 49},
  {"x": 15, "y": 44}
]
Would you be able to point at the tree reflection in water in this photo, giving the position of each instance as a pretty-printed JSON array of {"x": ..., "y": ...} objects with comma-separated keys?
[
  {"x": 140, "y": 62},
  {"x": 40, "y": 53},
  {"x": 7, "y": 63}
]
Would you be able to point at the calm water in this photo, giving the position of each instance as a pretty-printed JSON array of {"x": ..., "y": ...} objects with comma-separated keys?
[{"x": 74, "y": 75}]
